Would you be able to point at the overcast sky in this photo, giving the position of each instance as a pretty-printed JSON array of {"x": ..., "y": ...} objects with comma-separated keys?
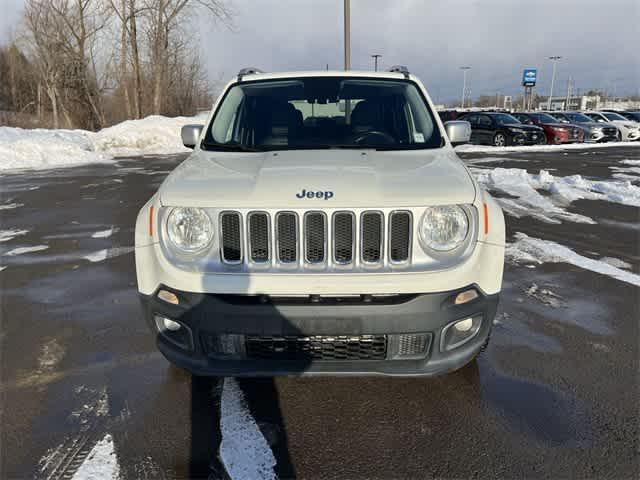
[{"x": 598, "y": 40}]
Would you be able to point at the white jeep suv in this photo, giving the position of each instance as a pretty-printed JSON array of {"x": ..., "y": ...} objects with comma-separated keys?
[{"x": 322, "y": 225}]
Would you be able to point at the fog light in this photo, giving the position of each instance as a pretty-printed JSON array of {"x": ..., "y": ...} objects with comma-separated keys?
[
  {"x": 168, "y": 297},
  {"x": 459, "y": 332},
  {"x": 466, "y": 296},
  {"x": 175, "y": 332},
  {"x": 171, "y": 325},
  {"x": 461, "y": 326}
]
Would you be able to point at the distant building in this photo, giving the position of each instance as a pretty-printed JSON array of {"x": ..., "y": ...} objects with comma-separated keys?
[{"x": 587, "y": 102}]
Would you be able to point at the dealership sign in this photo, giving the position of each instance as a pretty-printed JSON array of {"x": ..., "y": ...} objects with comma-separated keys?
[{"x": 529, "y": 77}]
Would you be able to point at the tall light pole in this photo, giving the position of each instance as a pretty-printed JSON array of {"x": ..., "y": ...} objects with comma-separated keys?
[
  {"x": 464, "y": 84},
  {"x": 554, "y": 60},
  {"x": 375, "y": 57},
  {"x": 347, "y": 34}
]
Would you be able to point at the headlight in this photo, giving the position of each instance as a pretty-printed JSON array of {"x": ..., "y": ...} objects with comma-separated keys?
[
  {"x": 516, "y": 130},
  {"x": 443, "y": 228},
  {"x": 189, "y": 229},
  {"x": 630, "y": 127}
]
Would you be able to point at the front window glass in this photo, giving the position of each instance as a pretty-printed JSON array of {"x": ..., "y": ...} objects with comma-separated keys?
[
  {"x": 504, "y": 119},
  {"x": 544, "y": 118},
  {"x": 311, "y": 113},
  {"x": 579, "y": 117},
  {"x": 614, "y": 116}
]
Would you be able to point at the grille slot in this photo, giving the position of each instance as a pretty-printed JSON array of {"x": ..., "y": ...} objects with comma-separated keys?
[
  {"x": 317, "y": 347},
  {"x": 287, "y": 231},
  {"x": 231, "y": 247},
  {"x": 372, "y": 237},
  {"x": 315, "y": 234},
  {"x": 259, "y": 247},
  {"x": 343, "y": 236},
  {"x": 399, "y": 236}
]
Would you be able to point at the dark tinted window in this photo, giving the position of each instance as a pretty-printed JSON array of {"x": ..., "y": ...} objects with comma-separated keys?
[{"x": 484, "y": 121}]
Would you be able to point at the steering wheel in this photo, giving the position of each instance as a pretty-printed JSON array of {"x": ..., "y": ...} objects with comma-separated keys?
[{"x": 383, "y": 138}]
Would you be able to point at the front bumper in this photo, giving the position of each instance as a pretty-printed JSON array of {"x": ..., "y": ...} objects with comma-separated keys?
[{"x": 217, "y": 316}]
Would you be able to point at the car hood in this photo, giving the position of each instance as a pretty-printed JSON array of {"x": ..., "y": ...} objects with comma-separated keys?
[
  {"x": 355, "y": 178},
  {"x": 592, "y": 125}
]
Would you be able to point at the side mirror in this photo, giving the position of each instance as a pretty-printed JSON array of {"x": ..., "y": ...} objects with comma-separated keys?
[
  {"x": 458, "y": 131},
  {"x": 190, "y": 135}
]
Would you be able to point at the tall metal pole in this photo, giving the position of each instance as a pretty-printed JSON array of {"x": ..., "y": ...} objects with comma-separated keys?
[
  {"x": 375, "y": 60},
  {"x": 464, "y": 84},
  {"x": 554, "y": 60},
  {"x": 347, "y": 34}
]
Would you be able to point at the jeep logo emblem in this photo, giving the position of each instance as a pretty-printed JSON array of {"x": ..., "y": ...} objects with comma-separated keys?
[{"x": 327, "y": 194}]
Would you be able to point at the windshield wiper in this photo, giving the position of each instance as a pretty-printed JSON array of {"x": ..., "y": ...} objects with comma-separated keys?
[{"x": 228, "y": 148}]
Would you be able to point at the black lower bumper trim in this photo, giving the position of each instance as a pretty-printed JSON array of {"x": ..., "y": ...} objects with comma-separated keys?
[{"x": 216, "y": 315}]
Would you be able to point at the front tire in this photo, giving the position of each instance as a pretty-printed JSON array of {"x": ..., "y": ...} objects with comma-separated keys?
[{"x": 499, "y": 140}]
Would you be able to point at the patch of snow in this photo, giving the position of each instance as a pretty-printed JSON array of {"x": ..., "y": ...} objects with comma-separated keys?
[
  {"x": 102, "y": 255},
  {"x": 244, "y": 451},
  {"x": 104, "y": 233},
  {"x": 23, "y": 250},
  {"x": 631, "y": 162},
  {"x": 534, "y": 250},
  {"x": 151, "y": 135},
  {"x": 101, "y": 463},
  {"x": 51, "y": 354},
  {"x": 10, "y": 206},
  {"x": 616, "y": 262},
  {"x": 41, "y": 149},
  {"x": 2, "y": 268},
  {"x": 541, "y": 148},
  {"x": 6, "y": 235},
  {"x": 526, "y": 187}
]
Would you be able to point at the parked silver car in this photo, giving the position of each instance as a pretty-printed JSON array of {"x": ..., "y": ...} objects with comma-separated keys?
[{"x": 593, "y": 131}]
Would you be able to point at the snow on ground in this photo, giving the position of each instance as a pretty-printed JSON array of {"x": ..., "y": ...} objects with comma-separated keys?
[
  {"x": 101, "y": 463},
  {"x": 6, "y": 235},
  {"x": 10, "y": 206},
  {"x": 244, "y": 451},
  {"x": 631, "y": 162},
  {"x": 102, "y": 255},
  {"x": 23, "y": 250},
  {"x": 104, "y": 233},
  {"x": 526, "y": 187},
  {"x": 41, "y": 149},
  {"x": 528, "y": 250},
  {"x": 469, "y": 148}
]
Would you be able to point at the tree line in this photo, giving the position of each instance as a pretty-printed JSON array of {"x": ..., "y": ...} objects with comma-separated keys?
[{"x": 91, "y": 63}]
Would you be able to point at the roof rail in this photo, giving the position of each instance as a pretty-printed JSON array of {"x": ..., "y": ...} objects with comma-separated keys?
[
  {"x": 400, "y": 69},
  {"x": 248, "y": 71}
]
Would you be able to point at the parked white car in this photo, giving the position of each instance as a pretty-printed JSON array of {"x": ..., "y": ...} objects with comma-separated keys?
[
  {"x": 323, "y": 225},
  {"x": 629, "y": 130}
]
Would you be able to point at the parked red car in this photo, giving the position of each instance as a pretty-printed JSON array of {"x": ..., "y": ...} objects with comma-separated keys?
[{"x": 555, "y": 131}]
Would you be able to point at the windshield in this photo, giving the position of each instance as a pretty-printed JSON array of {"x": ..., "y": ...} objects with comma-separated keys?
[
  {"x": 544, "y": 118},
  {"x": 504, "y": 119},
  {"x": 319, "y": 112},
  {"x": 579, "y": 117},
  {"x": 614, "y": 116}
]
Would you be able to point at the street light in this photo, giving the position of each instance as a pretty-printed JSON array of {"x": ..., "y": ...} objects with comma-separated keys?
[
  {"x": 375, "y": 57},
  {"x": 347, "y": 35},
  {"x": 464, "y": 83},
  {"x": 553, "y": 78}
]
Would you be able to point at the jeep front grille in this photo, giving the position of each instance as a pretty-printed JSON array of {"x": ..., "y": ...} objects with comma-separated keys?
[
  {"x": 315, "y": 238},
  {"x": 317, "y": 347}
]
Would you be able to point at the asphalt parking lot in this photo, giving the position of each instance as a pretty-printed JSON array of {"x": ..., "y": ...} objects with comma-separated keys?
[{"x": 84, "y": 391}]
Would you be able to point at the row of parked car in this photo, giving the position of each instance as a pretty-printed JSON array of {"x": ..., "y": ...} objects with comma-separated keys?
[{"x": 535, "y": 128}]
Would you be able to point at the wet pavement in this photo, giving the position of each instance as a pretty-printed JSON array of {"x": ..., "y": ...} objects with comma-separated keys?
[{"x": 81, "y": 383}]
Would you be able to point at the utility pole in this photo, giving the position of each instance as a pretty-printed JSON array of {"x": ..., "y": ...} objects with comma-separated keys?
[
  {"x": 464, "y": 84},
  {"x": 375, "y": 57},
  {"x": 554, "y": 60},
  {"x": 347, "y": 34},
  {"x": 568, "y": 101}
]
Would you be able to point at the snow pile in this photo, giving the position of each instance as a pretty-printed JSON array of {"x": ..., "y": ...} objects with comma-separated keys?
[
  {"x": 525, "y": 187},
  {"x": 20, "y": 148},
  {"x": 148, "y": 136},
  {"x": 101, "y": 463},
  {"x": 530, "y": 250},
  {"x": 244, "y": 451},
  {"x": 469, "y": 148},
  {"x": 41, "y": 149}
]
